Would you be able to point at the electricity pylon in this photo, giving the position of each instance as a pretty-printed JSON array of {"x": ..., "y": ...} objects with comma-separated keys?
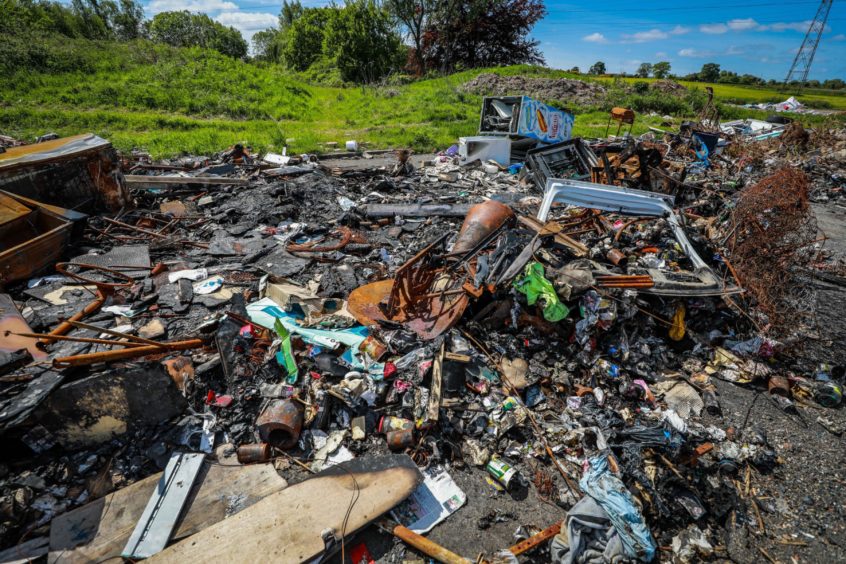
[{"x": 805, "y": 56}]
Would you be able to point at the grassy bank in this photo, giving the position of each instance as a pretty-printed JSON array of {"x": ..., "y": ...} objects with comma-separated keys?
[{"x": 169, "y": 101}]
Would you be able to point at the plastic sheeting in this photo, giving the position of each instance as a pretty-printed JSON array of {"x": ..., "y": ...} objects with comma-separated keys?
[{"x": 611, "y": 494}]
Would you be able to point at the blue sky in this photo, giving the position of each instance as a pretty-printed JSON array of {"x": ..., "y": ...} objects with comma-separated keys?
[{"x": 759, "y": 37}]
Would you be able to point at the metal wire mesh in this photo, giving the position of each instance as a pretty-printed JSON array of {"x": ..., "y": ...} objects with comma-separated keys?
[{"x": 773, "y": 231}]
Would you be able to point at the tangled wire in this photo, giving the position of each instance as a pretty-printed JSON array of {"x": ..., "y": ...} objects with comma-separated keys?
[{"x": 772, "y": 236}]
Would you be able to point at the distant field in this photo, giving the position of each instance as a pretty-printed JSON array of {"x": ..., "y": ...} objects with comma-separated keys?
[{"x": 168, "y": 101}]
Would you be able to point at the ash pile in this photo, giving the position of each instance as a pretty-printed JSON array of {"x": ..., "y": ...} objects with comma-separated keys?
[{"x": 539, "y": 340}]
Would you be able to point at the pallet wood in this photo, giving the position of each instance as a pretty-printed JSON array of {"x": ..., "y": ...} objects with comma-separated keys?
[
  {"x": 287, "y": 526},
  {"x": 99, "y": 530}
]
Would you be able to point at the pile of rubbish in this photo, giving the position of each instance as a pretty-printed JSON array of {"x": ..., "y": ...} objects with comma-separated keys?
[
  {"x": 565, "y": 90},
  {"x": 196, "y": 350}
]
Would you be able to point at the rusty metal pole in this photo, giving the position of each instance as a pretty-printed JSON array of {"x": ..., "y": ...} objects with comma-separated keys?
[
  {"x": 125, "y": 354},
  {"x": 428, "y": 547}
]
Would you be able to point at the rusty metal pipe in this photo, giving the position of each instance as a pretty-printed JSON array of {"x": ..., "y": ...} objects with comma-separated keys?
[
  {"x": 125, "y": 354},
  {"x": 280, "y": 423},
  {"x": 134, "y": 338},
  {"x": 535, "y": 540},
  {"x": 427, "y": 547},
  {"x": 76, "y": 339},
  {"x": 67, "y": 325},
  {"x": 250, "y": 454}
]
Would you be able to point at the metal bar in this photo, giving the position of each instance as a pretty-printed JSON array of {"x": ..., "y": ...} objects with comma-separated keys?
[
  {"x": 112, "y": 332},
  {"x": 153, "y": 530},
  {"x": 125, "y": 354},
  {"x": 75, "y": 339},
  {"x": 428, "y": 547},
  {"x": 67, "y": 325},
  {"x": 204, "y": 180},
  {"x": 535, "y": 540}
]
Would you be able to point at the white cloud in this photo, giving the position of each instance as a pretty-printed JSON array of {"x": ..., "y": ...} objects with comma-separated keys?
[
  {"x": 714, "y": 29},
  {"x": 595, "y": 38},
  {"x": 679, "y": 30},
  {"x": 248, "y": 23},
  {"x": 207, "y": 6},
  {"x": 801, "y": 27},
  {"x": 839, "y": 37},
  {"x": 695, "y": 53},
  {"x": 643, "y": 36},
  {"x": 661, "y": 55},
  {"x": 750, "y": 24},
  {"x": 742, "y": 24}
]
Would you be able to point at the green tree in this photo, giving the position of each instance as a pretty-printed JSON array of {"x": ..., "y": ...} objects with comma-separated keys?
[
  {"x": 644, "y": 70},
  {"x": 184, "y": 29},
  {"x": 597, "y": 68},
  {"x": 302, "y": 41},
  {"x": 482, "y": 33},
  {"x": 414, "y": 17},
  {"x": 661, "y": 69},
  {"x": 265, "y": 45},
  {"x": 289, "y": 13},
  {"x": 362, "y": 42},
  {"x": 710, "y": 72}
]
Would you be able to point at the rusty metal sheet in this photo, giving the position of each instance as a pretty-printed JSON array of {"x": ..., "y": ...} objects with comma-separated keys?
[{"x": 363, "y": 302}]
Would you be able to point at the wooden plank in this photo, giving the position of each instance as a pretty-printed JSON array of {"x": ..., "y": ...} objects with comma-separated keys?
[
  {"x": 434, "y": 408},
  {"x": 287, "y": 526},
  {"x": 204, "y": 180},
  {"x": 575, "y": 246},
  {"x": 99, "y": 530},
  {"x": 25, "y": 552}
]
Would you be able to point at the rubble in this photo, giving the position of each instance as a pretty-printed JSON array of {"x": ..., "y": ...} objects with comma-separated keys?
[
  {"x": 563, "y": 90},
  {"x": 560, "y": 347}
]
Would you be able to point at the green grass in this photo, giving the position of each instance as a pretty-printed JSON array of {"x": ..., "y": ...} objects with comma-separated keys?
[{"x": 170, "y": 101}]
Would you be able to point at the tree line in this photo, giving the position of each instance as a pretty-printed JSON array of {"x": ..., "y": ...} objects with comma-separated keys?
[
  {"x": 117, "y": 20},
  {"x": 362, "y": 40},
  {"x": 366, "y": 39},
  {"x": 711, "y": 72}
]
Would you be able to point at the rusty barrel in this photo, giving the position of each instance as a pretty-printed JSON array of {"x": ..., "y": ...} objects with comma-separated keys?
[{"x": 280, "y": 423}]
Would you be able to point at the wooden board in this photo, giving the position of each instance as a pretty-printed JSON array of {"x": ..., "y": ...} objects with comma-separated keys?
[
  {"x": 99, "y": 530},
  {"x": 286, "y": 526}
]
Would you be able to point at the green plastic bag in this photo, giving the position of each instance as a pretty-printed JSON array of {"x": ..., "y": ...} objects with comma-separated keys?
[
  {"x": 535, "y": 286},
  {"x": 285, "y": 357}
]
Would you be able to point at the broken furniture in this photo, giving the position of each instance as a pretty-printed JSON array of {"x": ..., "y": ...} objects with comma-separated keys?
[
  {"x": 80, "y": 172},
  {"x": 621, "y": 116},
  {"x": 702, "y": 281},
  {"x": 33, "y": 236}
]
